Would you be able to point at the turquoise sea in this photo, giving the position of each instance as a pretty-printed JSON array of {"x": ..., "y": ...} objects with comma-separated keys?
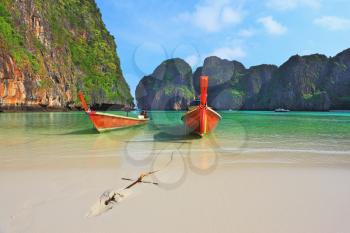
[{"x": 25, "y": 136}]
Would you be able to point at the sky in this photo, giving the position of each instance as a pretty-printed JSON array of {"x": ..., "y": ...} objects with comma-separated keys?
[{"x": 253, "y": 32}]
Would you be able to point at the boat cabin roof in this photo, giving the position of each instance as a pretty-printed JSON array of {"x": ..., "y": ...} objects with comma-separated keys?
[{"x": 195, "y": 102}]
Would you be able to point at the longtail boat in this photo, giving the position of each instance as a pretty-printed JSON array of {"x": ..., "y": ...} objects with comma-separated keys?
[
  {"x": 201, "y": 119},
  {"x": 105, "y": 121}
]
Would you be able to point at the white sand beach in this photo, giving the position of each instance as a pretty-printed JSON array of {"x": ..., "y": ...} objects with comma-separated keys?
[{"x": 248, "y": 192}]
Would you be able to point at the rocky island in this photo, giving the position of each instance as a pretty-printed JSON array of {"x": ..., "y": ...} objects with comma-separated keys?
[
  {"x": 308, "y": 83},
  {"x": 169, "y": 87},
  {"x": 51, "y": 49}
]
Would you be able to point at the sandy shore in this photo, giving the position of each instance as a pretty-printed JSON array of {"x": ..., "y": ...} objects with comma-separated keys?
[{"x": 246, "y": 192}]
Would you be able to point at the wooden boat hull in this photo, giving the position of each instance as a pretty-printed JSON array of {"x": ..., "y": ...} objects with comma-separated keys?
[
  {"x": 104, "y": 121},
  {"x": 201, "y": 121},
  {"x": 282, "y": 110}
]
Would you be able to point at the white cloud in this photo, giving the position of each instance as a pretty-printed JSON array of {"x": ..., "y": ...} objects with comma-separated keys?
[
  {"x": 333, "y": 23},
  {"x": 283, "y": 5},
  {"x": 212, "y": 16},
  {"x": 230, "y": 16},
  {"x": 192, "y": 60},
  {"x": 246, "y": 32},
  {"x": 225, "y": 52},
  {"x": 230, "y": 53},
  {"x": 271, "y": 26}
]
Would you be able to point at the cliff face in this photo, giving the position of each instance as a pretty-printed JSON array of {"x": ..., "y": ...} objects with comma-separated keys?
[
  {"x": 169, "y": 87},
  {"x": 296, "y": 85},
  {"x": 255, "y": 81},
  {"x": 224, "y": 78},
  {"x": 51, "y": 49},
  {"x": 336, "y": 80},
  {"x": 314, "y": 83}
]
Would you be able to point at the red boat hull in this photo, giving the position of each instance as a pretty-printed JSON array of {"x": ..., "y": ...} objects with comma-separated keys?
[
  {"x": 201, "y": 121},
  {"x": 104, "y": 121}
]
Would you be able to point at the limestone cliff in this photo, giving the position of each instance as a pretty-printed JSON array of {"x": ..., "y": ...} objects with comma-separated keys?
[
  {"x": 296, "y": 85},
  {"x": 169, "y": 87},
  {"x": 224, "y": 77},
  {"x": 313, "y": 83},
  {"x": 51, "y": 49}
]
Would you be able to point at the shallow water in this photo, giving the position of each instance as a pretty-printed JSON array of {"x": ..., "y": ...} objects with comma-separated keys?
[
  {"x": 71, "y": 135},
  {"x": 288, "y": 169}
]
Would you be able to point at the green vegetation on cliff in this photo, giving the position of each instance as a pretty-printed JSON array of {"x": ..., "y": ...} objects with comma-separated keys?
[
  {"x": 182, "y": 90},
  {"x": 13, "y": 41},
  {"x": 92, "y": 47},
  {"x": 67, "y": 45}
]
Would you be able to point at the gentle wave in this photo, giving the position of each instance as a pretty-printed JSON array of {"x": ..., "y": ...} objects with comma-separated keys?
[
  {"x": 313, "y": 151},
  {"x": 249, "y": 150}
]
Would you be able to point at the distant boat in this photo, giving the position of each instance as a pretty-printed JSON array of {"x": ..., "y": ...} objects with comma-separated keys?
[
  {"x": 105, "y": 121},
  {"x": 201, "y": 119},
  {"x": 281, "y": 110}
]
